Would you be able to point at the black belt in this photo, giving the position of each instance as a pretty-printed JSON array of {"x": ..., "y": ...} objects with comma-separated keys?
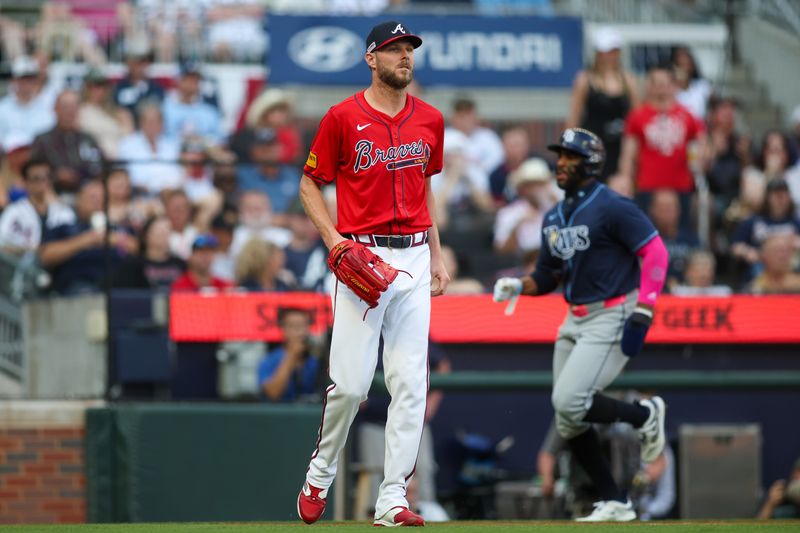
[{"x": 390, "y": 241}]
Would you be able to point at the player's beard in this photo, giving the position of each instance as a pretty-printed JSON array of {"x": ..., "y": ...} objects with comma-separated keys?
[
  {"x": 574, "y": 179},
  {"x": 391, "y": 78}
]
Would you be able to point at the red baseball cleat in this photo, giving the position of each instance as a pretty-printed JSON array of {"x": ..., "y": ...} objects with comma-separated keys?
[
  {"x": 311, "y": 503},
  {"x": 399, "y": 516}
]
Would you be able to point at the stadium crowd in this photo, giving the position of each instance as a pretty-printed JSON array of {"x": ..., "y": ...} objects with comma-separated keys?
[{"x": 192, "y": 205}]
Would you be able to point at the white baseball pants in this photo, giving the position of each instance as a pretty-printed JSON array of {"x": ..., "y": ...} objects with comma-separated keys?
[{"x": 403, "y": 318}]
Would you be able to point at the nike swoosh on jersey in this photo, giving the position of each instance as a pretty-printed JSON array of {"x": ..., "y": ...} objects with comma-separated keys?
[{"x": 359, "y": 127}]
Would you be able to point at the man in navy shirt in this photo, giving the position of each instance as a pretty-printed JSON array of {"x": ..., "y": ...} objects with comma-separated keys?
[{"x": 592, "y": 243}]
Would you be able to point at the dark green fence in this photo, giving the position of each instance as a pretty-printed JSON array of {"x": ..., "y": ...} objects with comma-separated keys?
[{"x": 183, "y": 462}]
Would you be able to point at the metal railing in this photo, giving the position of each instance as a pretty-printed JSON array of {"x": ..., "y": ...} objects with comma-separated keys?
[{"x": 20, "y": 278}]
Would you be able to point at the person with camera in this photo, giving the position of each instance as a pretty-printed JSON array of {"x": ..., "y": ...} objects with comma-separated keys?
[{"x": 290, "y": 372}]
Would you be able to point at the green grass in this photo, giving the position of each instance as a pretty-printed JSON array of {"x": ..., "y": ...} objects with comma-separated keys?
[{"x": 742, "y": 526}]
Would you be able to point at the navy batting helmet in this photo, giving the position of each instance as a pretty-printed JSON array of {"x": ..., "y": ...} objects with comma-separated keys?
[{"x": 586, "y": 144}]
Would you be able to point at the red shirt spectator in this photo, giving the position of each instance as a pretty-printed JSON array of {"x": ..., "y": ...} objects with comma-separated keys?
[
  {"x": 657, "y": 135},
  {"x": 198, "y": 276}
]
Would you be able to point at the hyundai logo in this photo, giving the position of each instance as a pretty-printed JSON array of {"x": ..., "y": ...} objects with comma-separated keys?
[{"x": 326, "y": 49}]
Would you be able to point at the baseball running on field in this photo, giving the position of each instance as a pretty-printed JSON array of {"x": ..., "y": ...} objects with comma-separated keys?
[{"x": 466, "y": 265}]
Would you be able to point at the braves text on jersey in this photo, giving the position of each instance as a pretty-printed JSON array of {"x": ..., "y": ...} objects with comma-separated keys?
[{"x": 379, "y": 164}]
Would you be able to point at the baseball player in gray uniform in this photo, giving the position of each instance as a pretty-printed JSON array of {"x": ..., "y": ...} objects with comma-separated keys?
[{"x": 612, "y": 263}]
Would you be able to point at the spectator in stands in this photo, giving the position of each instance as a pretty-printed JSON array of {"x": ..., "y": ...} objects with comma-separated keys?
[
  {"x": 224, "y": 180},
  {"x": 150, "y": 154},
  {"x": 260, "y": 267},
  {"x": 516, "y": 149},
  {"x": 123, "y": 209},
  {"x": 236, "y": 30},
  {"x": 518, "y": 226},
  {"x": 266, "y": 173},
  {"x": 17, "y": 152},
  {"x": 68, "y": 32},
  {"x": 197, "y": 180},
  {"x": 25, "y": 111},
  {"x": 255, "y": 220},
  {"x": 291, "y": 372},
  {"x": 155, "y": 266},
  {"x": 729, "y": 153},
  {"x": 198, "y": 276},
  {"x": 655, "y": 483},
  {"x": 21, "y": 222},
  {"x": 224, "y": 265},
  {"x": 655, "y": 147},
  {"x": 461, "y": 189},
  {"x": 272, "y": 109},
  {"x": 665, "y": 212},
  {"x": 698, "y": 277},
  {"x": 100, "y": 117},
  {"x": 772, "y": 162},
  {"x": 74, "y": 252},
  {"x": 483, "y": 149},
  {"x": 458, "y": 284},
  {"x": 179, "y": 211},
  {"x": 777, "y": 276},
  {"x": 776, "y": 217},
  {"x": 74, "y": 155},
  {"x": 783, "y": 498},
  {"x": 306, "y": 255},
  {"x": 136, "y": 88},
  {"x": 694, "y": 91},
  {"x": 602, "y": 96},
  {"x": 186, "y": 114}
]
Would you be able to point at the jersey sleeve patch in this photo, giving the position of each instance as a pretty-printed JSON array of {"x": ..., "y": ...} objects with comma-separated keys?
[{"x": 311, "y": 162}]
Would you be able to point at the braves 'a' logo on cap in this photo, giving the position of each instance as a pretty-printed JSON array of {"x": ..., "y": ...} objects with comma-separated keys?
[{"x": 399, "y": 28}]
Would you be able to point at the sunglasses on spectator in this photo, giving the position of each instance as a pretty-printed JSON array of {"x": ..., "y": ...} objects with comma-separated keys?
[{"x": 39, "y": 177}]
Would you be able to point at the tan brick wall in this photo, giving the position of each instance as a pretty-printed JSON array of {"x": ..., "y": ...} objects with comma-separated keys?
[{"x": 42, "y": 462}]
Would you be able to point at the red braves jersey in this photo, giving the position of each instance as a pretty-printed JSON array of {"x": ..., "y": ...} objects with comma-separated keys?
[
  {"x": 379, "y": 164},
  {"x": 663, "y": 137}
]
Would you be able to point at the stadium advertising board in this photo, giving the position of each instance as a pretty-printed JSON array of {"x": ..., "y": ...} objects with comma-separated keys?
[
  {"x": 469, "y": 319},
  {"x": 464, "y": 51}
]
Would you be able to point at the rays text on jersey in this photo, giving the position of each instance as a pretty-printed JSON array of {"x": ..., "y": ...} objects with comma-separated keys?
[{"x": 564, "y": 242}]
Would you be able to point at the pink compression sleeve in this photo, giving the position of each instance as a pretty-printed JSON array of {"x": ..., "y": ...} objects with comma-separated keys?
[{"x": 654, "y": 270}]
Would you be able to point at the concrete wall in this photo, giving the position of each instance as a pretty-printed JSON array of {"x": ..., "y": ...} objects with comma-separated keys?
[
  {"x": 65, "y": 350},
  {"x": 42, "y": 462},
  {"x": 774, "y": 56}
]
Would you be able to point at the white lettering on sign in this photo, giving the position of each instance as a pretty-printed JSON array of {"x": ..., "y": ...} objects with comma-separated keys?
[{"x": 496, "y": 51}]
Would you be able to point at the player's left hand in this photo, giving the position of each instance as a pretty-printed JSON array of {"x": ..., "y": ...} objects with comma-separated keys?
[
  {"x": 440, "y": 279},
  {"x": 635, "y": 330}
]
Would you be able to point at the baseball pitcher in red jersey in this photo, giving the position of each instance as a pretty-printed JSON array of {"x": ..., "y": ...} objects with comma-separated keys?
[{"x": 381, "y": 147}]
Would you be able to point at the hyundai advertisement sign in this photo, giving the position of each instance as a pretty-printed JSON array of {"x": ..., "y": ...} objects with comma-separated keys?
[{"x": 468, "y": 51}]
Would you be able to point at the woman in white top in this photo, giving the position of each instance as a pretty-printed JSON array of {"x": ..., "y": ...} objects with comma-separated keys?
[{"x": 694, "y": 89}]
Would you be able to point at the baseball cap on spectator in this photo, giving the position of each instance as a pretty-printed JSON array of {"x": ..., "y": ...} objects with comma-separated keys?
[
  {"x": 777, "y": 184},
  {"x": 455, "y": 141},
  {"x": 266, "y": 101},
  {"x": 607, "y": 39},
  {"x": 189, "y": 68},
  {"x": 533, "y": 170},
  {"x": 205, "y": 241},
  {"x": 24, "y": 67},
  {"x": 225, "y": 221},
  {"x": 96, "y": 76},
  {"x": 137, "y": 48},
  {"x": 193, "y": 145},
  {"x": 16, "y": 141},
  {"x": 390, "y": 31},
  {"x": 264, "y": 136}
]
